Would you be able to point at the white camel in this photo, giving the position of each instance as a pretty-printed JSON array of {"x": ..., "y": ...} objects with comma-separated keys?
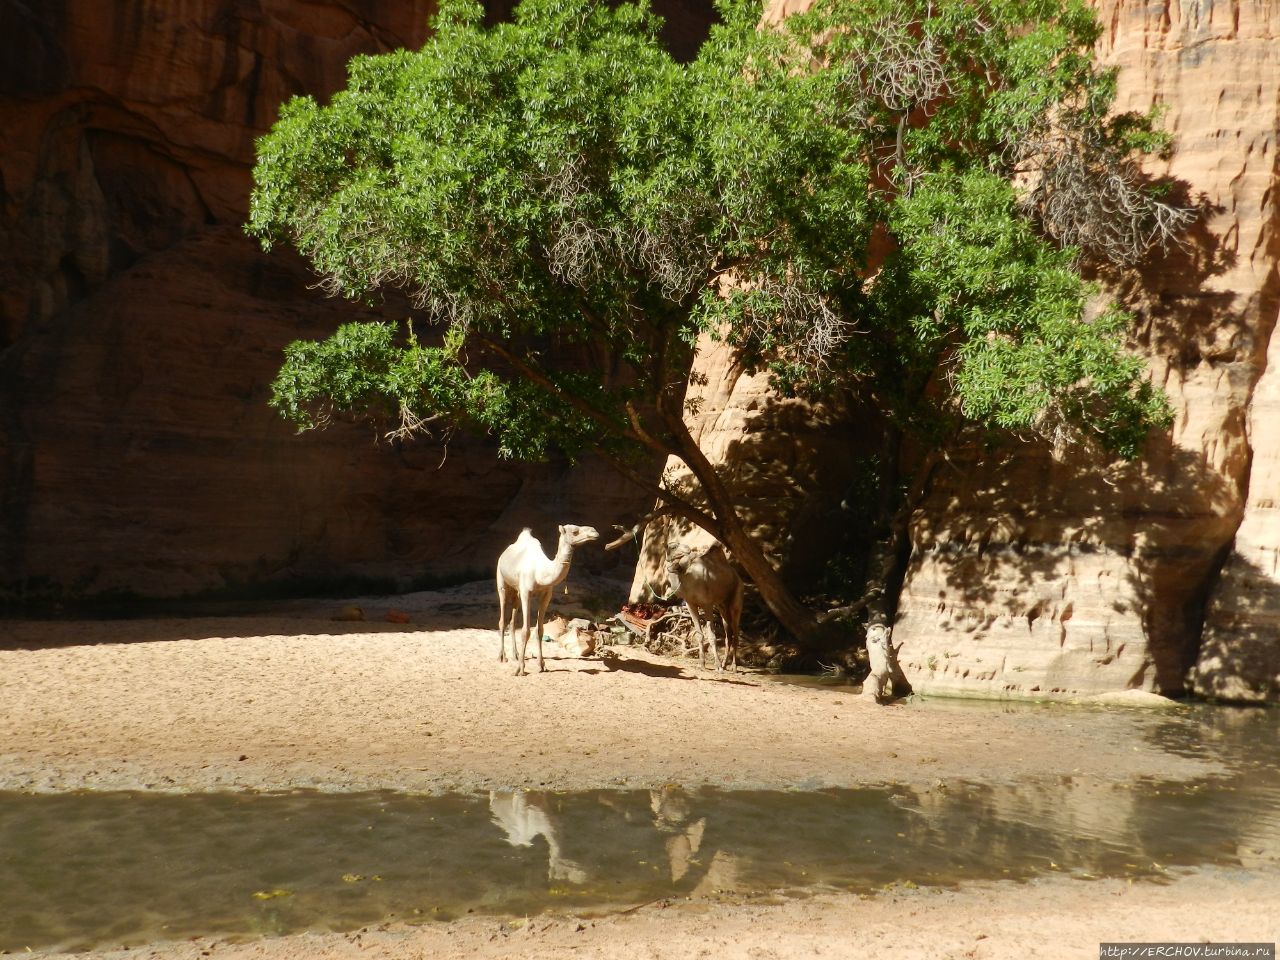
[
  {"x": 706, "y": 580},
  {"x": 525, "y": 574}
]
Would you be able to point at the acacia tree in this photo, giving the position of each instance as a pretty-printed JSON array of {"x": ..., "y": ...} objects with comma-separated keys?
[{"x": 876, "y": 192}]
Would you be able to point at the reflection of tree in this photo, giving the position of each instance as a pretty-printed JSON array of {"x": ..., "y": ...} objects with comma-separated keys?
[{"x": 672, "y": 815}]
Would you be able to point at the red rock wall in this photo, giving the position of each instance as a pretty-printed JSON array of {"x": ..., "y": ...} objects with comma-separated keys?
[{"x": 140, "y": 329}]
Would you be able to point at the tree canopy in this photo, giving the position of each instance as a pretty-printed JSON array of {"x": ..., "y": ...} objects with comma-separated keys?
[{"x": 894, "y": 194}]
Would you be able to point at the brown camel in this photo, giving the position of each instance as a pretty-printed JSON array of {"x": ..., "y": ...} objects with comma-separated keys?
[{"x": 705, "y": 580}]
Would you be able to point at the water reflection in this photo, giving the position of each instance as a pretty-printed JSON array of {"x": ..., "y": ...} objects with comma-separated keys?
[
  {"x": 524, "y": 817},
  {"x": 673, "y": 815},
  {"x": 79, "y": 871}
]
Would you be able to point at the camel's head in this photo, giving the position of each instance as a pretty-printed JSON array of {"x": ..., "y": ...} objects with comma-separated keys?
[
  {"x": 679, "y": 556},
  {"x": 575, "y": 535}
]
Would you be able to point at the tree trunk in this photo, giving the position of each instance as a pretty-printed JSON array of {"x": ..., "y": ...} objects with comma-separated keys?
[
  {"x": 889, "y": 557},
  {"x": 795, "y": 618}
]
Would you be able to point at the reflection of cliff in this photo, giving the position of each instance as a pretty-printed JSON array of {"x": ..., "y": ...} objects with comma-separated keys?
[
  {"x": 139, "y": 327},
  {"x": 1076, "y": 824},
  {"x": 959, "y": 832},
  {"x": 1117, "y": 828}
]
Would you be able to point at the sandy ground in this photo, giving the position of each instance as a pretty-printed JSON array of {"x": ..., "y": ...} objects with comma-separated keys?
[
  {"x": 293, "y": 699},
  {"x": 1051, "y": 919}
]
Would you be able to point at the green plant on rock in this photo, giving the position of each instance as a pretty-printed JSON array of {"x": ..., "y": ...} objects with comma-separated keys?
[{"x": 873, "y": 194}]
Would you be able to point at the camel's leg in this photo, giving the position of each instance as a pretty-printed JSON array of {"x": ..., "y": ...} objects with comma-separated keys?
[
  {"x": 513, "y": 607},
  {"x": 697, "y": 629},
  {"x": 728, "y": 637},
  {"x": 731, "y": 616},
  {"x": 502, "y": 620},
  {"x": 543, "y": 602},
  {"x": 702, "y": 639},
  {"x": 524, "y": 632}
]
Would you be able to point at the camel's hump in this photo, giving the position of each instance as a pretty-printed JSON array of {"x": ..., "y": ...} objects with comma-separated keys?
[{"x": 526, "y": 540}]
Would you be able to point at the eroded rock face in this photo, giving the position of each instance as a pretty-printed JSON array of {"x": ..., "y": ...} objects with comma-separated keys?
[
  {"x": 140, "y": 329},
  {"x": 1032, "y": 577},
  {"x": 1240, "y": 648},
  {"x": 1041, "y": 576}
]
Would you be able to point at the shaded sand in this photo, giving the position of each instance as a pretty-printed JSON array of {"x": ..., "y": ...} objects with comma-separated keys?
[{"x": 289, "y": 698}]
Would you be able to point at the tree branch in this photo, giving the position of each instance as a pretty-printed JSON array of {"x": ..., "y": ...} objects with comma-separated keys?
[
  {"x": 673, "y": 504},
  {"x": 633, "y": 532},
  {"x": 536, "y": 376},
  {"x": 717, "y": 493}
]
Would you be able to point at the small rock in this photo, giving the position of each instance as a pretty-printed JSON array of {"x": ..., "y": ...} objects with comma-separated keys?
[
  {"x": 579, "y": 643},
  {"x": 555, "y": 628}
]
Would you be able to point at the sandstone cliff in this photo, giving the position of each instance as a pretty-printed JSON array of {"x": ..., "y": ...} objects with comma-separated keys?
[
  {"x": 1239, "y": 656},
  {"x": 139, "y": 328},
  {"x": 788, "y": 463},
  {"x": 1034, "y": 576}
]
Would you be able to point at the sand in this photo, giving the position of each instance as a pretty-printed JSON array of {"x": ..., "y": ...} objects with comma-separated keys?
[{"x": 290, "y": 698}]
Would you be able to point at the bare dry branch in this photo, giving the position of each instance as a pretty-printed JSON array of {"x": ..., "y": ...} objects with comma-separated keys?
[
  {"x": 805, "y": 321},
  {"x": 631, "y": 533},
  {"x": 1085, "y": 194},
  {"x": 411, "y": 425}
]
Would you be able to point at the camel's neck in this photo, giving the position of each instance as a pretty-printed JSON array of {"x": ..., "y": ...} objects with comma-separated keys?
[{"x": 551, "y": 572}]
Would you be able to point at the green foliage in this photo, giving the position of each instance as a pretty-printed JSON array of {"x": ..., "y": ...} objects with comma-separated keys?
[
  {"x": 976, "y": 284},
  {"x": 834, "y": 197}
]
